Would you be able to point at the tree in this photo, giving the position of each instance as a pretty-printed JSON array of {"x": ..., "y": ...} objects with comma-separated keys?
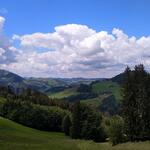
[
  {"x": 116, "y": 130},
  {"x": 136, "y": 103},
  {"x": 128, "y": 103},
  {"x": 66, "y": 124},
  {"x": 75, "y": 129},
  {"x": 145, "y": 112}
]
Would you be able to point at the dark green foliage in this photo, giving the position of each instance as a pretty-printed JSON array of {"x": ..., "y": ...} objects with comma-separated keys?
[
  {"x": 26, "y": 95},
  {"x": 86, "y": 123},
  {"x": 129, "y": 103},
  {"x": 6, "y": 92},
  {"x": 118, "y": 79},
  {"x": 66, "y": 124},
  {"x": 109, "y": 106},
  {"x": 34, "y": 97},
  {"x": 39, "y": 117},
  {"x": 136, "y": 103},
  {"x": 116, "y": 130},
  {"x": 84, "y": 88},
  {"x": 80, "y": 96},
  {"x": 76, "y": 114},
  {"x": 84, "y": 92}
]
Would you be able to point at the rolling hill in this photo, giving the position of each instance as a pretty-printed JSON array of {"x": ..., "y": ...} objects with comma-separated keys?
[
  {"x": 17, "y": 137},
  {"x": 104, "y": 93},
  {"x": 44, "y": 85}
]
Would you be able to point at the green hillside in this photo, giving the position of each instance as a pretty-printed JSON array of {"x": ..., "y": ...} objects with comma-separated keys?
[
  {"x": 95, "y": 102},
  {"x": 103, "y": 89},
  {"x": 64, "y": 93},
  {"x": 18, "y": 137},
  {"x": 2, "y": 100},
  {"x": 107, "y": 87}
]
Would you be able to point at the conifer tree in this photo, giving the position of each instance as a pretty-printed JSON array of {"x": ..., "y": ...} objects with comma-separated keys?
[
  {"x": 128, "y": 103},
  {"x": 66, "y": 124},
  {"x": 136, "y": 103},
  {"x": 75, "y": 129}
]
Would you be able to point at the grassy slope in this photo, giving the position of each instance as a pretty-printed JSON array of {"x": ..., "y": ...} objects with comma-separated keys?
[
  {"x": 2, "y": 100},
  {"x": 103, "y": 87},
  {"x": 99, "y": 88},
  {"x": 95, "y": 102},
  {"x": 18, "y": 137},
  {"x": 106, "y": 86},
  {"x": 65, "y": 93}
]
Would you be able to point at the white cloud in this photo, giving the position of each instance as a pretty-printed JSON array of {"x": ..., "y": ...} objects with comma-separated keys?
[
  {"x": 76, "y": 50},
  {"x": 6, "y": 53},
  {"x": 2, "y": 20}
]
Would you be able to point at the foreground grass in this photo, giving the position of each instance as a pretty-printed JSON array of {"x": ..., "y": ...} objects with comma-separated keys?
[{"x": 17, "y": 137}]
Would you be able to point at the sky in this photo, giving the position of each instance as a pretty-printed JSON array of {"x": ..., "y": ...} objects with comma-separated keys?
[{"x": 73, "y": 38}]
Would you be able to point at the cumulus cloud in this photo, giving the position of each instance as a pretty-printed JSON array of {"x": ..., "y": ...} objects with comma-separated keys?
[
  {"x": 2, "y": 20},
  {"x": 76, "y": 50},
  {"x": 7, "y": 55}
]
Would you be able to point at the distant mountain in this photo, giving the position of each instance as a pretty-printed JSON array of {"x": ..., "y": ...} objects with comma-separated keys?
[
  {"x": 14, "y": 81},
  {"x": 45, "y": 85},
  {"x": 18, "y": 83},
  {"x": 48, "y": 85},
  {"x": 118, "y": 78},
  {"x": 7, "y": 78}
]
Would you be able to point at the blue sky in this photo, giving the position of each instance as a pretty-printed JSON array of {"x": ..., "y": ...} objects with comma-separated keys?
[
  {"x": 74, "y": 38},
  {"x": 28, "y": 16}
]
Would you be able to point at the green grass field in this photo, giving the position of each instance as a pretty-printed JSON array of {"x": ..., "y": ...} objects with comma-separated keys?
[
  {"x": 17, "y": 137},
  {"x": 63, "y": 94},
  {"x": 107, "y": 86},
  {"x": 2, "y": 100}
]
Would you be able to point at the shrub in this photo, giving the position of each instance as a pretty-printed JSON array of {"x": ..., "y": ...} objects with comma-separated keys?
[
  {"x": 66, "y": 124},
  {"x": 116, "y": 130}
]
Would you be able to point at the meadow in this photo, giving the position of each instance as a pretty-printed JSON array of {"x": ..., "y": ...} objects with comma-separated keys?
[{"x": 17, "y": 137}]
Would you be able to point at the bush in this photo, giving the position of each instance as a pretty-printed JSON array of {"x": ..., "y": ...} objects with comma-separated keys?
[
  {"x": 66, "y": 124},
  {"x": 116, "y": 130}
]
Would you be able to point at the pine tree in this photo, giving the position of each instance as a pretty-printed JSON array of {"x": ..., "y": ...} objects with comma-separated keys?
[
  {"x": 128, "y": 103},
  {"x": 145, "y": 111},
  {"x": 75, "y": 129},
  {"x": 66, "y": 124},
  {"x": 136, "y": 103},
  {"x": 141, "y": 95}
]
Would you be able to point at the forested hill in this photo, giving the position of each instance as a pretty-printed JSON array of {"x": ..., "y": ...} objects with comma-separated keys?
[
  {"x": 47, "y": 85},
  {"x": 44, "y": 85}
]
